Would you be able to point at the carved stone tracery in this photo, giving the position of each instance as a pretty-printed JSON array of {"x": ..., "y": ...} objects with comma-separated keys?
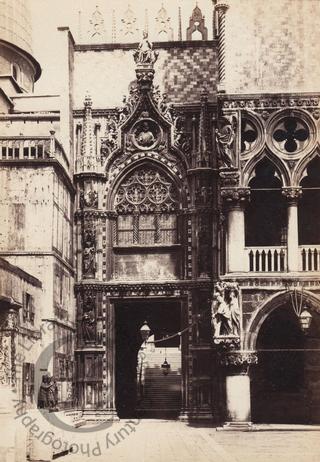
[{"x": 146, "y": 190}]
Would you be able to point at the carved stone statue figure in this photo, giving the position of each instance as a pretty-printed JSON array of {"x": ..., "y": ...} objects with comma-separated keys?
[
  {"x": 88, "y": 326},
  {"x": 48, "y": 393},
  {"x": 145, "y": 137},
  {"x": 234, "y": 311},
  {"x": 145, "y": 54},
  {"x": 224, "y": 138},
  {"x": 89, "y": 199},
  {"x": 222, "y": 317},
  {"x": 89, "y": 251},
  {"x": 226, "y": 310}
]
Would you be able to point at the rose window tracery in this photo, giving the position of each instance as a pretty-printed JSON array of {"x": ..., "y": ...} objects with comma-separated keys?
[{"x": 291, "y": 134}]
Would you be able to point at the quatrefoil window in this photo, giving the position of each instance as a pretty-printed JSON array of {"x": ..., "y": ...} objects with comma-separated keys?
[
  {"x": 249, "y": 135},
  {"x": 291, "y": 134}
]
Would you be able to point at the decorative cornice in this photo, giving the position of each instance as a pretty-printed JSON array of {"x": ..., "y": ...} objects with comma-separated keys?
[
  {"x": 273, "y": 282},
  {"x": 89, "y": 213},
  {"x": 157, "y": 45},
  {"x": 176, "y": 288},
  {"x": 277, "y": 101}
]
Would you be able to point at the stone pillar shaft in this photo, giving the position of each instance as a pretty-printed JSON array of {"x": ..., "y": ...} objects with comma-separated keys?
[
  {"x": 292, "y": 195},
  {"x": 234, "y": 199},
  {"x": 238, "y": 397}
]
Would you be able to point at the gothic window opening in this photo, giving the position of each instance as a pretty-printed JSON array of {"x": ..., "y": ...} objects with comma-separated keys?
[
  {"x": 146, "y": 203},
  {"x": 266, "y": 213},
  {"x": 249, "y": 136},
  {"x": 309, "y": 205}
]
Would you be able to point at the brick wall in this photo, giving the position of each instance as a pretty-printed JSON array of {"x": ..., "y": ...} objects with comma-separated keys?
[{"x": 181, "y": 71}]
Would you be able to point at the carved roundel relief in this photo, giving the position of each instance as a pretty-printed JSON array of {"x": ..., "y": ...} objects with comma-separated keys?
[{"x": 146, "y": 134}]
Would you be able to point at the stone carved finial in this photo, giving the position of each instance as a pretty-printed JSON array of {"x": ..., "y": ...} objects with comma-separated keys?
[
  {"x": 129, "y": 28},
  {"x": 97, "y": 24},
  {"x": 145, "y": 55},
  {"x": 180, "y": 25},
  {"x": 87, "y": 161},
  {"x": 164, "y": 24},
  {"x": 197, "y": 23},
  {"x": 114, "y": 27}
]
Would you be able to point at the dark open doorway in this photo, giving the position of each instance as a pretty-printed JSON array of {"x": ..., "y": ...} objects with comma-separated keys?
[
  {"x": 278, "y": 383},
  {"x": 132, "y": 397}
]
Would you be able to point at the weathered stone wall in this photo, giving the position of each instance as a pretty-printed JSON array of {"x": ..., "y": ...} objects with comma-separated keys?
[{"x": 272, "y": 46}]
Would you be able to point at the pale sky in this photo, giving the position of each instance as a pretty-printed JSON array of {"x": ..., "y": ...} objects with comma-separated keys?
[{"x": 48, "y": 15}]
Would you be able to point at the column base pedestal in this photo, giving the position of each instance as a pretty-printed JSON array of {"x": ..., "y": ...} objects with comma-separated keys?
[
  {"x": 196, "y": 415},
  {"x": 236, "y": 426}
]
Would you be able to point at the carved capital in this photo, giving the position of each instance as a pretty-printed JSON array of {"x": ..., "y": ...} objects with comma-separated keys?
[
  {"x": 221, "y": 9},
  {"x": 235, "y": 197},
  {"x": 234, "y": 358},
  {"x": 292, "y": 194}
]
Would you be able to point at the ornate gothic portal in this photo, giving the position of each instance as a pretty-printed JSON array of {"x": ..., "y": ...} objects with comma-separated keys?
[{"x": 145, "y": 226}]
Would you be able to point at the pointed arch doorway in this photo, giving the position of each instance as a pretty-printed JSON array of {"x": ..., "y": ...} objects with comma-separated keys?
[
  {"x": 285, "y": 383},
  {"x": 142, "y": 390}
]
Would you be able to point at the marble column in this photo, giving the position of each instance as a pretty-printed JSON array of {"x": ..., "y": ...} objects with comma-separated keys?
[
  {"x": 234, "y": 203},
  {"x": 238, "y": 396},
  {"x": 292, "y": 194}
]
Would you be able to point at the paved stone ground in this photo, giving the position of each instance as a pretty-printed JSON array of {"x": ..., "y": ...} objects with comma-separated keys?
[{"x": 179, "y": 442}]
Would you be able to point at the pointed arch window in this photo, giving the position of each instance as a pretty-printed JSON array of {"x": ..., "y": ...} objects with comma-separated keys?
[
  {"x": 147, "y": 205},
  {"x": 309, "y": 205},
  {"x": 266, "y": 213}
]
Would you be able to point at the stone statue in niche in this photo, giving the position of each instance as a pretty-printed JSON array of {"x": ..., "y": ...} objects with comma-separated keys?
[
  {"x": 88, "y": 326},
  {"x": 145, "y": 53},
  {"x": 89, "y": 199},
  {"x": 48, "y": 393},
  {"x": 89, "y": 252},
  {"x": 224, "y": 138},
  {"x": 226, "y": 310}
]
